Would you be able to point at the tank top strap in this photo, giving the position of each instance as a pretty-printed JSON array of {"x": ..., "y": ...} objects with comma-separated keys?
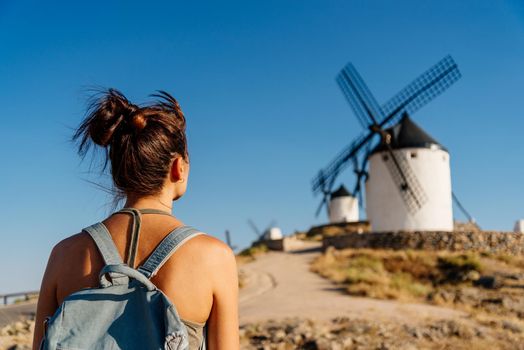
[
  {"x": 135, "y": 234},
  {"x": 154, "y": 211},
  {"x": 174, "y": 240},
  {"x": 135, "y": 230}
]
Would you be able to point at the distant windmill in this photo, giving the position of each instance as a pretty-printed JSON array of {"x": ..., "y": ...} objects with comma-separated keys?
[
  {"x": 343, "y": 206},
  {"x": 387, "y": 122},
  {"x": 271, "y": 231},
  {"x": 228, "y": 241}
]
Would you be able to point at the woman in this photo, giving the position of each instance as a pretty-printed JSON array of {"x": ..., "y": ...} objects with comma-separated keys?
[{"x": 147, "y": 150}]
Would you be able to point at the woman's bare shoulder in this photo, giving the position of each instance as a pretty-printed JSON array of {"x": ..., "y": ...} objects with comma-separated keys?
[
  {"x": 64, "y": 254},
  {"x": 74, "y": 241},
  {"x": 71, "y": 246},
  {"x": 210, "y": 249}
]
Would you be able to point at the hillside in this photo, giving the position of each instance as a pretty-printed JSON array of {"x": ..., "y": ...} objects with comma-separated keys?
[{"x": 284, "y": 305}]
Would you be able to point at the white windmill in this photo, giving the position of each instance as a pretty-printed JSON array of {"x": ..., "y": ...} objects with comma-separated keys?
[
  {"x": 272, "y": 232},
  {"x": 343, "y": 206},
  {"x": 409, "y": 184},
  {"x": 429, "y": 164}
]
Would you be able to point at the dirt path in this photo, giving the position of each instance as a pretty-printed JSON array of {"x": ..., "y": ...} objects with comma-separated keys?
[
  {"x": 13, "y": 313},
  {"x": 280, "y": 285}
]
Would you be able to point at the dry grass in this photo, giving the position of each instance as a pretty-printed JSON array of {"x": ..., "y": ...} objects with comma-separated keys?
[
  {"x": 478, "y": 283},
  {"x": 247, "y": 255},
  {"x": 250, "y": 254},
  {"x": 388, "y": 274},
  {"x": 509, "y": 260}
]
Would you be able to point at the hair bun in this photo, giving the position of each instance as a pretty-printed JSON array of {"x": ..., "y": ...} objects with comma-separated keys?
[{"x": 138, "y": 121}]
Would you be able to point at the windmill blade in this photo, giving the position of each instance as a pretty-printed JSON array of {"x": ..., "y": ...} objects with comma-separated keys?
[
  {"x": 255, "y": 228},
  {"x": 324, "y": 202},
  {"x": 422, "y": 90},
  {"x": 319, "y": 182},
  {"x": 407, "y": 183},
  {"x": 354, "y": 102},
  {"x": 357, "y": 190},
  {"x": 365, "y": 173},
  {"x": 355, "y": 163},
  {"x": 326, "y": 186},
  {"x": 228, "y": 240},
  {"x": 341, "y": 161},
  {"x": 362, "y": 174},
  {"x": 359, "y": 96},
  {"x": 366, "y": 160},
  {"x": 358, "y": 172}
]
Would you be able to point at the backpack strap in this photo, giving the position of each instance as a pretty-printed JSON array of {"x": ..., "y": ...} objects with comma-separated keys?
[
  {"x": 104, "y": 243},
  {"x": 174, "y": 240},
  {"x": 120, "y": 275},
  {"x": 203, "y": 346}
]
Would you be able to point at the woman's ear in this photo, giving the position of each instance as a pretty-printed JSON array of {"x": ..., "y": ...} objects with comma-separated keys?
[{"x": 178, "y": 170}]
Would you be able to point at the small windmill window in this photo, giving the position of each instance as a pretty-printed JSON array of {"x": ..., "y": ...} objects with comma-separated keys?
[
  {"x": 413, "y": 154},
  {"x": 385, "y": 157}
]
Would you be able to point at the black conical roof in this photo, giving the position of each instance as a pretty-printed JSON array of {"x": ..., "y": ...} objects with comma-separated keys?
[
  {"x": 341, "y": 192},
  {"x": 407, "y": 134}
]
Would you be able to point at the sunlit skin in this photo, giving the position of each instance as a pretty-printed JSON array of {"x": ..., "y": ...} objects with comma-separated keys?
[{"x": 200, "y": 278}]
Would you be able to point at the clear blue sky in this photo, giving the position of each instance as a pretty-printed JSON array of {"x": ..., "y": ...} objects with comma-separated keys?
[{"x": 256, "y": 82}]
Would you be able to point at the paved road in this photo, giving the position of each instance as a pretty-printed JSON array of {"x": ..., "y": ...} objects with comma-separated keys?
[{"x": 280, "y": 285}]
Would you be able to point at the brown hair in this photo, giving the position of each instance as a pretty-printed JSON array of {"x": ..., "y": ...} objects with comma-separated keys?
[{"x": 140, "y": 142}]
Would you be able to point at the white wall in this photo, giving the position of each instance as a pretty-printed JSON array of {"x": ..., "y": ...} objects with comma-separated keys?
[
  {"x": 343, "y": 209},
  {"x": 385, "y": 208}
]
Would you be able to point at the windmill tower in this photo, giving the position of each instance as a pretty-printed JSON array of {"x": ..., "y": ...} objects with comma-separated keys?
[
  {"x": 387, "y": 123},
  {"x": 343, "y": 206},
  {"x": 429, "y": 163}
]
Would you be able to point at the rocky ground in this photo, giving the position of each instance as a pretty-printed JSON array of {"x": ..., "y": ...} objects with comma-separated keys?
[
  {"x": 369, "y": 300},
  {"x": 343, "y": 333},
  {"x": 17, "y": 335}
]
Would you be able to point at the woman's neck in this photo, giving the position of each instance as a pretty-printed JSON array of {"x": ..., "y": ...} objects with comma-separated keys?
[{"x": 153, "y": 202}]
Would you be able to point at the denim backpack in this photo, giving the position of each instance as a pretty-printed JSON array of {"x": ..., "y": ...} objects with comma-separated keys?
[{"x": 127, "y": 311}]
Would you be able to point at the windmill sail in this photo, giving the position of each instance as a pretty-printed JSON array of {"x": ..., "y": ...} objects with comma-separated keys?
[
  {"x": 411, "y": 191},
  {"x": 375, "y": 118},
  {"x": 422, "y": 90}
]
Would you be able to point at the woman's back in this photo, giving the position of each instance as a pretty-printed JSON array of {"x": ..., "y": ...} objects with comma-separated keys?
[
  {"x": 150, "y": 166},
  {"x": 188, "y": 278},
  {"x": 193, "y": 297}
]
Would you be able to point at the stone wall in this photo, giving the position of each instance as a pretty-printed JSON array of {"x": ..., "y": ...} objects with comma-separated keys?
[
  {"x": 335, "y": 229},
  {"x": 486, "y": 241}
]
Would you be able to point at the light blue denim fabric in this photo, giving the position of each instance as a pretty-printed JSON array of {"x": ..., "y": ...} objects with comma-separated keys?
[{"x": 127, "y": 311}]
